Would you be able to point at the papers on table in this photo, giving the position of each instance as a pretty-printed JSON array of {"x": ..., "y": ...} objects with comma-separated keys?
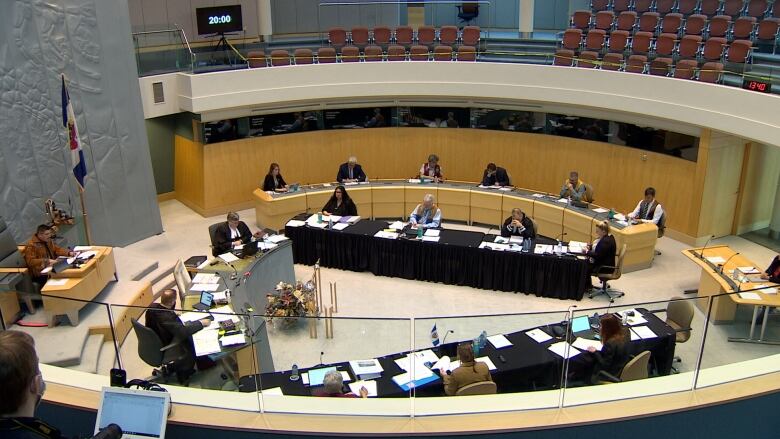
[
  {"x": 224, "y": 313},
  {"x": 369, "y": 385},
  {"x": 415, "y": 181},
  {"x": 749, "y": 270},
  {"x": 501, "y": 240},
  {"x": 488, "y": 362},
  {"x": 203, "y": 264},
  {"x": 366, "y": 368},
  {"x": 205, "y": 278},
  {"x": 563, "y": 200},
  {"x": 715, "y": 260},
  {"x": 543, "y": 248},
  {"x": 505, "y": 188},
  {"x": 431, "y": 238},
  {"x": 350, "y": 219},
  {"x": 443, "y": 363},
  {"x": 228, "y": 257},
  {"x": 499, "y": 341},
  {"x": 386, "y": 235},
  {"x": 643, "y": 332},
  {"x": 494, "y": 246},
  {"x": 274, "y": 391},
  {"x": 82, "y": 248},
  {"x": 538, "y": 335},
  {"x": 206, "y": 342},
  {"x": 600, "y": 210},
  {"x": 397, "y": 225},
  {"x": 577, "y": 247},
  {"x": 538, "y": 195},
  {"x": 584, "y": 343},
  {"x": 230, "y": 340},
  {"x": 266, "y": 245},
  {"x": 635, "y": 319},
  {"x": 317, "y": 225},
  {"x": 192, "y": 316},
  {"x": 86, "y": 255},
  {"x": 204, "y": 287},
  {"x": 432, "y": 232},
  {"x": 55, "y": 282},
  {"x": 294, "y": 223},
  {"x": 276, "y": 239},
  {"x": 750, "y": 296},
  {"x": 515, "y": 239},
  {"x": 340, "y": 226},
  {"x": 561, "y": 348},
  {"x": 620, "y": 217},
  {"x": 765, "y": 290},
  {"x": 482, "y": 186},
  {"x": 426, "y": 356},
  {"x": 220, "y": 296}
]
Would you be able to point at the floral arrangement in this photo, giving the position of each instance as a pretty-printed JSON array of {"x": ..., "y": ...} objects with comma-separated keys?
[{"x": 291, "y": 301}]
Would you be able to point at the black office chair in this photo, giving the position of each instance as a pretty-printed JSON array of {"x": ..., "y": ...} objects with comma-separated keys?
[
  {"x": 152, "y": 351},
  {"x": 467, "y": 12},
  {"x": 213, "y": 237}
]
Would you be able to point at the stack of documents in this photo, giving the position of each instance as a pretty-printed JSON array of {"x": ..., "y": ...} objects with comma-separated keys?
[
  {"x": 749, "y": 296},
  {"x": 340, "y": 226},
  {"x": 482, "y": 186},
  {"x": 430, "y": 238},
  {"x": 205, "y": 278},
  {"x": 224, "y": 313},
  {"x": 600, "y": 210},
  {"x": 266, "y": 245},
  {"x": 494, "y": 246},
  {"x": 563, "y": 200},
  {"x": 231, "y": 340},
  {"x": 516, "y": 240},
  {"x": 206, "y": 341},
  {"x": 432, "y": 232},
  {"x": 386, "y": 235},
  {"x": 538, "y": 195},
  {"x": 577, "y": 247},
  {"x": 499, "y": 341},
  {"x": 366, "y": 369},
  {"x": 642, "y": 332},
  {"x": 295, "y": 223}
]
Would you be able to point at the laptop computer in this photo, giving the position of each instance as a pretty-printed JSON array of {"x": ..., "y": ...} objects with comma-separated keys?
[
  {"x": 206, "y": 300},
  {"x": 293, "y": 187},
  {"x": 141, "y": 414},
  {"x": 249, "y": 249}
]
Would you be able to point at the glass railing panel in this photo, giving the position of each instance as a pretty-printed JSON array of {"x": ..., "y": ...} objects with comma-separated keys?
[
  {"x": 513, "y": 347},
  {"x": 162, "y": 51},
  {"x": 743, "y": 336},
  {"x": 652, "y": 348}
]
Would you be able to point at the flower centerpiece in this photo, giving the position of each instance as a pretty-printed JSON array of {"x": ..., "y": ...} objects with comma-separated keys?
[{"x": 290, "y": 302}]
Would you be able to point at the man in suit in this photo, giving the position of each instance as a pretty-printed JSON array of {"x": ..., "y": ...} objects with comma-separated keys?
[
  {"x": 495, "y": 176},
  {"x": 162, "y": 319},
  {"x": 232, "y": 233},
  {"x": 350, "y": 172}
]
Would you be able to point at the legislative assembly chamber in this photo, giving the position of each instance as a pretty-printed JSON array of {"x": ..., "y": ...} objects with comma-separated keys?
[{"x": 503, "y": 218}]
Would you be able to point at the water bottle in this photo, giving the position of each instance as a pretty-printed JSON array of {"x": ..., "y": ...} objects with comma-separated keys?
[
  {"x": 419, "y": 231},
  {"x": 330, "y": 221},
  {"x": 294, "y": 376},
  {"x": 319, "y": 217},
  {"x": 482, "y": 340},
  {"x": 559, "y": 247},
  {"x": 611, "y": 214}
]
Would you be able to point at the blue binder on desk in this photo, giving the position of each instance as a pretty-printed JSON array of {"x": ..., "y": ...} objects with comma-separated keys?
[{"x": 418, "y": 383}]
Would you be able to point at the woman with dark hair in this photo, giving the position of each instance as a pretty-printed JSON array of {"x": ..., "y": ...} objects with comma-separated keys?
[
  {"x": 340, "y": 204},
  {"x": 614, "y": 352},
  {"x": 273, "y": 180},
  {"x": 468, "y": 372}
]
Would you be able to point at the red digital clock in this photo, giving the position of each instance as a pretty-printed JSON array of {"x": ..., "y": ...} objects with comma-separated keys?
[{"x": 759, "y": 86}]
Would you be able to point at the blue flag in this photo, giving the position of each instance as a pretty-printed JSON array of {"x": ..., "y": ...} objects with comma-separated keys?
[
  {"x": 434, "y": 336},
  {"x": 69, "y": 122}
]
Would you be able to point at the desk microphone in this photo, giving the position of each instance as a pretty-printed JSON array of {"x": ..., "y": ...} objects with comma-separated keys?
[
  {"x": 233, "y": 276},
  {"x": 445, "y": 335},
  {"x": 701, "y": 252},
  {"x": 723, "y": 265},
  {"x": 321, "y": 354},
  {"x": 111, "y": 431}
]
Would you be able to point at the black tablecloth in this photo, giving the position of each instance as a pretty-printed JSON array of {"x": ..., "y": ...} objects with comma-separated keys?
[
  {"x": 455, "y": 260},
  {"x": 527, "y": 365}
]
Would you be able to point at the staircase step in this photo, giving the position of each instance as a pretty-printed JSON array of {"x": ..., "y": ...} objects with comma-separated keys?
[
  {"x": 90, "y": 354},
  {"x": 107, "y": 358}
]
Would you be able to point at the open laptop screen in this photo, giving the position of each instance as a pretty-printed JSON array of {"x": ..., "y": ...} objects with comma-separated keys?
[{"x": 139, "y": 413}]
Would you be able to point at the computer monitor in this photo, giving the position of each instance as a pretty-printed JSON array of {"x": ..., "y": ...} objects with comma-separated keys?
[
  {"x": 316, "y": 376},
  {"x": 141, "y": 414},
  {"x": 579, "y": 324},
  {"x": 206, "y": 300}
]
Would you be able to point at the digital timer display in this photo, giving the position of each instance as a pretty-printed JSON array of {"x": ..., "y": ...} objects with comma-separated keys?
[
  {"x": 759, "y": 86},
  {"x": 219, "y": 20}
]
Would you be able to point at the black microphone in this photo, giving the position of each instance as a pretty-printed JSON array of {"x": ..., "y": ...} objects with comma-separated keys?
[
  {"x": 563, "y": 217},
  {"x": 112, "y": 431},
  {"x": 445, "y": 335},
  {"x": 723, "y": 265},
  {"x": 701, "y": 252},
  {"x": 233, "y": 276}
]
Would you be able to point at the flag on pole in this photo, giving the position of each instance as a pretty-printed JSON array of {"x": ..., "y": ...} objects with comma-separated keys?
[
  {"x": 69, "y": 122},
  {"x": 434, "y": 335}
]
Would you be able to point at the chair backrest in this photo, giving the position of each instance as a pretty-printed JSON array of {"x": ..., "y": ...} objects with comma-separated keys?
[
  {"x": 337, "y": 36},
  {"x": 418, "y": 53},
  {"x": 587, "y": 59},
  {"x": 660, "y": 66},
  {"x": 326, "y": 55},
  {"x": 149, "y": 344},
  {"x": 636, "y": 368},
  {"x": 695, "y": 24},
  {"x": 684, "y": 69},
  {"x": 680, "y": 311},
  {"x": 359, "y": 36},
  {"x": 612, "y": 61},
  {"x": 689, "y": 46},
  {"x": 671, "y": 23},
  {"x": 396, "y": 53},
  {"x": 620, "y": 5},
  {"x": 581, "y": 20},
  {"x": 739, "y": 51},
  {"x": 713, "y": 49},
  {"x": 478, "y": 388},
  {"x": 768, "y": 28},
  {"x": 604, "y": 20},
  {"x": 662, "y": 221},
  {"x": 664, "y": 6},
  {"x": 709, "y": 7},
  {"x": 642, "y": 5},
  {"x": 182, "y": 278},
  {"x": 757, "y": 8},
  {"x": 256, "y": 58},
  {"x": 213, "y": 237},
  {"x": 448, "y": 35},
  {"x": 711, "y": 72},
  {"x": 382, "y": 35},
  {"x": 589, "y": 193},
  {"x": 303, "y": 56},
  {"x": 572, "y": 38},
  {"x": 618, "y": 40},
  {"x": 641, "y": 43},
  {"x": 718, "y": 26},
  {"x": 636, "y": 64},
  {"x": 599, "y": 5},
  {"x": 743, "y": 28},
  {"x": 648, "y": 22},
  {"x": 372, "y": 53},
  {"x": 350, "y": 54},
  {"x": 626, "y": 21},
  {"x": 403, "y": 35},
  {"x": 426, "y": 35},
  {"x": 686, "y": 7},
  {"x": 280, "y": 57},
  {"x": 470, "y": 35},
  {"x": 442, "y": 53},
  {"x": 595, "y": 39},
  {"x": 665, "y": 44},
  {"x": 733, "y": 7},
  {"x": 467, "y": 53},
  {"x": 563, "y": 57},
  {"x": 618, "y": 267}
]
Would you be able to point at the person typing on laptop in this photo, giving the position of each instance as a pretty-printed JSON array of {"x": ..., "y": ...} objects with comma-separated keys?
[
  {"x": 41, "y": 252},
  {"x": 232, "y": 233}
]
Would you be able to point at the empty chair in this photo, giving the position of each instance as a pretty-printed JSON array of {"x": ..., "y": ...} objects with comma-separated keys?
[
  {"x": 572, "y": 39},
  {"x": 664, "y": 7},
  {"x": 695, "y": 24},
  {"x": 581, "y": 20},
  {"x": 709, "y": 7},
  {"x": 337, "y": 36},
  {"x": 604, "y": 20},
  {"x": 636, "y": 64},
  {"x": 757, "y": 8},
  {"x": 404, "y": 35},
  {"x": 679, "y": 315},
  {"x": 776, "y": 9},
  {"x": 256, "y": 58},
  {"x": 661, "y": 66},
  {"x": 372, "y": 53},
  {"x": 648, "y": 22},
  {"x": 718, "y": 26},
  {"x": 713, "y": 49},
  {"x": 442, "y": 53},
  {"x": 635, "y": 369},
  {"x": 685, "y": 69},
  {"x": 382, "y": 36},
  {"x": 595, "y": 40},
  {"x": 419, "y": 53},
  {"x": 359, "y": 36},
  {"x": 448, "y": 35},
  {"x": 768, "y": 30},
  {"x": 711, "y": 72},
  {"x": 641, "y": 43},
  {"x": 687, "y": 7},
  {"x": 626, "y": 21},
  {"x": 743, "y": 28},
  {"x": 350, "y": 54},
  {"x": 467, "y": 53},
  {"x": 618, "y": 40},
  {"x": 280, "y": 57},
  {"x": 396, "y": 53},
  {"x": 470, "y": 36},
  {"x": 468, "y": 12},
  {"x": 326, "y": 55},
  {"x": 303, "y": 56},
  {"x": 689, "y": 46},
  {"x": 612, "y": 61},
  {"x": 665, "y": 45},
  {"x": 733, "y": 7},
  {"x": 641, "y": 6},
  {"x": 563, "y": 57},
  {"x": 588, "y": 59},
  {"x": 599, "y": 5},
  {"x": 426, "y": 35},
  {"x": 739, "y": 51},
  {"x": 620, "y": 5},
  {"x": 671, "y": 23}
]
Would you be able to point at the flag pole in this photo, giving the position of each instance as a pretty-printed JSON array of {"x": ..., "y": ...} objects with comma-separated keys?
[{"x": 84, "y": 215}]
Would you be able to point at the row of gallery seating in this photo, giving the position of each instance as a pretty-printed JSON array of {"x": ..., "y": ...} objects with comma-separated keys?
[
  {"x": 405, "y": 36},
  {"x": 327, "y": 55},
  {"x": 711, "y": 8}
]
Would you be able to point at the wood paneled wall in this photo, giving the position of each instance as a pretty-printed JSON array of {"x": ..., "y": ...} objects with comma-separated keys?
[
  {"x": 232, "y": 170},
  {"x": 188, "y": 173}
]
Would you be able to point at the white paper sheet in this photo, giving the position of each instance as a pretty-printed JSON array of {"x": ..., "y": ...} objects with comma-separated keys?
[
  {"x": 426, "y": 356},
  {"x": 228, "y": 257},
  {"x": 276, "y": 239},
  {"x": 206, "y": 342},
  {"x": 192, "y": 316},
  {"x": 516, "y": 239},
  {"x": 538, "y": 195},
  {"x": 538, "y": 335},
  {"x": 501, "y": 240},
  {"x": 499, "y": 341},
  {"x": 56, "y": 282},
  {"x": 488, "y": 362},
  {"x": 224, "y": 313},
  {"x": 563, "y": 200},
  {"x": 431, "y": 238},
  {"x": 266, "y": 245},
  {"x": 386, "y": 235},
  {"x": 560, "y": 349},
  {"x": 432, "y": 232},
  {"x": 443, "y": 363},
  {"x": 748, "y": 270},
  {"x": 274, "y": 391},
  {"x": 369, "y": 385},
  {"x": 600, "y": 210},
  {"x": 397, "y": 225},
  {"x": 505, "y": 188},
  {"x": 317, "y": 225},
  {"x": 82, "y": 248},
  {"x": 220, "y": 296},
  {"x": 636, "y": 319},
  {"x": 365, "y": 367},
  {"x": 340, "y": 226},
  {"x": 87, "y": 254},
  {"x": 584, "y": 343},
  {"x": 715, "y": 259},
  {"x": 644, "y": 332},
  {"x": 294, "y": 223},
  {"x": 414, "y": 180},
  {"x": 204, "y": 287},
  {"x": 230, "y": 340},
  {"x": 750, "y": 296},
  {"x": 205, "y": 278}
]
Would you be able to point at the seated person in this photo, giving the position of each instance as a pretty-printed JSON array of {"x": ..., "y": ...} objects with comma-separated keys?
[
  {"x": 649, "y": 209},
  {"x": 333, "y": 386},
  {"x": 574, "y": 188},
  {"x": 273, "y": 180},
  {"x": 41, "y": 252},
  {"x": 451, "y": 122},
  {"x": 350, "y": 172},
  {"x": 377, "y": 120},
  {"x": 340, "y": 204},
  {"x": 469, "y": 371},
  {"x": 162, "y": 319},
  {"x": 495, "y": 176},
  {"x": 772, "y": 273},
  {"x": 603, "y": 250},
  {"x": 231, "y": 234},
  {"x": 613, "y": 355},
  {"x": 431, "y": 169},
  {"x": 518, "y": 225},
  {"x": 299, "y": 124},
  {"x": 426, "y": 215}
]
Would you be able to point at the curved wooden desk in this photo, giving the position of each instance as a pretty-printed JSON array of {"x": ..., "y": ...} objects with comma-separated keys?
[{"x": 465, "y": 202}]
